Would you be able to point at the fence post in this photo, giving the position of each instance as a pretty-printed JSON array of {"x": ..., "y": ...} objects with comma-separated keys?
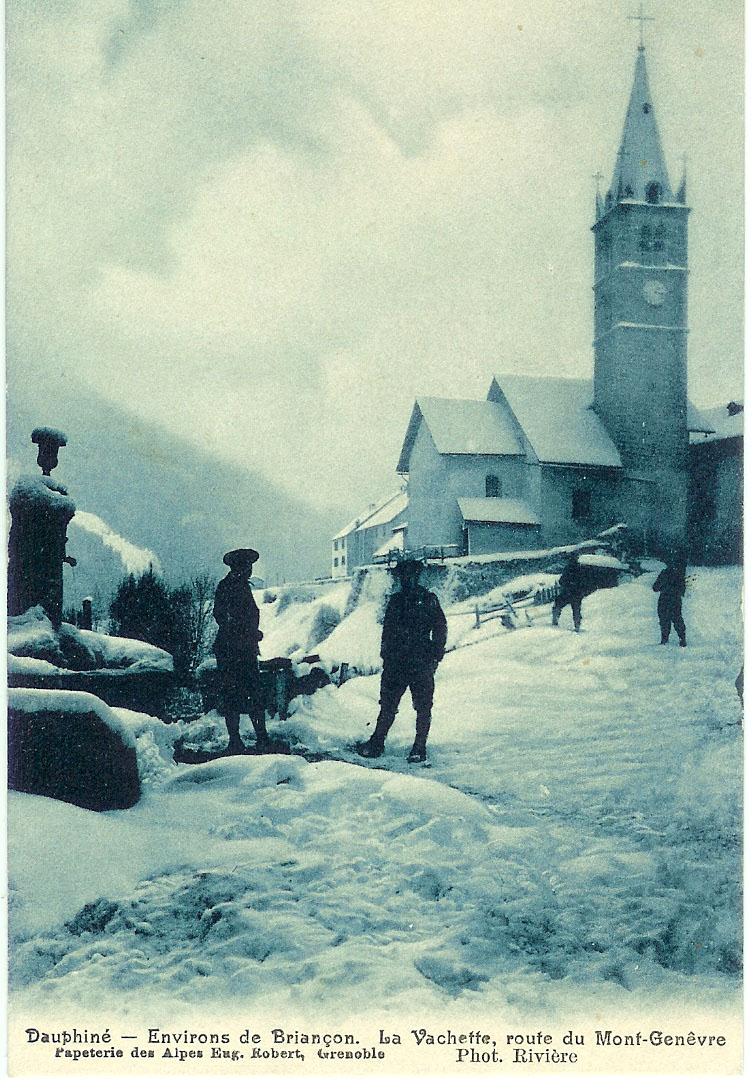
[
  {"x": 86, "y": 615},
  {"x": 279, "y": 678},
  {"x": 477, "y": 615}
]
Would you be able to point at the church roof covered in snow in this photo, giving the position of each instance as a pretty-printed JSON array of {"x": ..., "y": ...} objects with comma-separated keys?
[
  {"x": 559, "y": 422},
  {"x": 557, "y": 418},
  {"x": 500, "y": 509},
  {"x": 726, "y": 422},
  {"x": 460, "y": 426}
]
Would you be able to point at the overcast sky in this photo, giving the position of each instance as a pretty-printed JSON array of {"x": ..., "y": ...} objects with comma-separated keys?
[{"x": 271, "y": 225}]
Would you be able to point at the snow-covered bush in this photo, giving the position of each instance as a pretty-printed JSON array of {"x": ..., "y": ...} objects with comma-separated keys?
[
  {"x": 324, "y": 622},
  {"x": 32, "y": 636},
  {"x": 294, "y": 593}
]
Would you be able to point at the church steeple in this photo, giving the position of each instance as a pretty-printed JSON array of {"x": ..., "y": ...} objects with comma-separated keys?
[
  {"x": 641, "y": 322},
  {"x": 640, "y": 172}
]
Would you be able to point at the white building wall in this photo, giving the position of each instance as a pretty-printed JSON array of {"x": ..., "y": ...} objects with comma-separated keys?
[{"x": 436, "y": 481}]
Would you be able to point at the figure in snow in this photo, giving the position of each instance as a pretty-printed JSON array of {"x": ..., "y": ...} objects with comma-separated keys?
[
  {"x": 670, "y": 586},
  {"x": 412, "y": 645},
  {"x": 570, "y": 593},
  {"x": 237, "y": 647}
]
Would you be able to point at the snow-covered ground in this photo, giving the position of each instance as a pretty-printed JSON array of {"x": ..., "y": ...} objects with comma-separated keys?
[{"x": 576, "y": 838}]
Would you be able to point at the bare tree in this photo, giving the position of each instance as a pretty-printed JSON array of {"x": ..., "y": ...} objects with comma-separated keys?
[{"x": 201, "y": 622}]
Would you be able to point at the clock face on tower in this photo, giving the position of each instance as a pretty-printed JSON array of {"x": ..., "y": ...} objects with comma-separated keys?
[{"x": 654, "y": 292}]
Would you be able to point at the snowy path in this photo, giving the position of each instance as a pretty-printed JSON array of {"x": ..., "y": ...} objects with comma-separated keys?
[{"x": 576, "y": 839}]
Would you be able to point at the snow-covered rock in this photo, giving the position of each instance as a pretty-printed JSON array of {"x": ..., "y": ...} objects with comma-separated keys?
[{"x": 70, "y": 746}]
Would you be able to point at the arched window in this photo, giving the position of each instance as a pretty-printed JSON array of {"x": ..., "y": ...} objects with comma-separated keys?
[
  {"x": 493, "y": 485},
  {"x": 659, "y": 237},
  {"x": 629, "y": 191},
  {"x": 645, "y": 238},
  {"x": 653, "y": 192}
]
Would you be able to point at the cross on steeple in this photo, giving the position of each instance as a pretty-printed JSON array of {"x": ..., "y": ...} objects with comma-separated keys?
[{"x": 640, "y": 19}]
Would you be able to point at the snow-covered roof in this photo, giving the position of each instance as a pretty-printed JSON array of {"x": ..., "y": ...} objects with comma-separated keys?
[
  {"x": 394, "y": 544},
  {"x": 388, "y": 512},
  {"x": 727, "y": 422},
  {"x": 557, "y": 418},
  {"x": 599, "y": 560},
  {"x": 374, "y": 514},
  {"x": 698, "y": 421},
  {"x": 461, "y": 426},
  {"x": 502, "y": 509}
]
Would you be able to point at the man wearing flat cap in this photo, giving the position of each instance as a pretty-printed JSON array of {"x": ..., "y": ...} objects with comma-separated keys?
[
  {"x": 412, "y": 645},
  {"x": 237, "y": 647}
]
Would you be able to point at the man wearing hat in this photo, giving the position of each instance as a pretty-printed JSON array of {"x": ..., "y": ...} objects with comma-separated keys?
[
  {"x": 412, "y": 645},
  {"x": 237, "y": 647}
]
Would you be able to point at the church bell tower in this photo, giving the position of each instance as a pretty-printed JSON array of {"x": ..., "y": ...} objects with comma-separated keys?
[{"x": 640, "y": 323}]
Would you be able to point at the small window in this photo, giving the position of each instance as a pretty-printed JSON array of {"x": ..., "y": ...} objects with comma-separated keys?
[
  {"x": 653, "y": 192},
  {"x": 343, "y": 560},
  {"x": 645, "y": 238},
  {"x": 629, "y": 191},
  {"x": 581, "y": 503},
  {"x": 659, "y": 238},
  {"x": 493, "y": 485},
  {"x": 335, "y": 561}
]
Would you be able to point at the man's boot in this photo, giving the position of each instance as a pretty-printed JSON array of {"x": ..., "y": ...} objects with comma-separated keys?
[
  {"x": 262, "y": 740},
  {"x": 417, "y": 754},
  {"x": 235, "y": 744},
  {"x": 373, "y": 747}
]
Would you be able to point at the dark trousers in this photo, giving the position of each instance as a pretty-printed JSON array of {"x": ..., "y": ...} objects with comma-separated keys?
[
  {"x": 395, "y": 680},
  {"x": 670, "y": 613},
  {"x": 560, "y": 602}
]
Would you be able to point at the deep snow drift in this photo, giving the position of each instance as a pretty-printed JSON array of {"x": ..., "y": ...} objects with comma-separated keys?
[{"x": 576, "y": 839}]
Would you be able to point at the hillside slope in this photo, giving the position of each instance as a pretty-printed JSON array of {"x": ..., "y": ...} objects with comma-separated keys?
[{"x": 164, "y": 494}]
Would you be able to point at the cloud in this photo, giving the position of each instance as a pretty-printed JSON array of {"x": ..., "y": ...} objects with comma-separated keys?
[{"x": 269, "y": 227}]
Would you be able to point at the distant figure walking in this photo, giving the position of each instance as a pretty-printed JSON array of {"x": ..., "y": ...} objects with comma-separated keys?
[
  {"x": 670, "y": 586},
  {"x": 412, "y": 645},
  {"x": 571, "y": 592},
  {"x": 237, "y": 647}
]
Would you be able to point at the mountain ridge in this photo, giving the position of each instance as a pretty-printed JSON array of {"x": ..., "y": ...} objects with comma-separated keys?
[{"x": 162, "y": 492}]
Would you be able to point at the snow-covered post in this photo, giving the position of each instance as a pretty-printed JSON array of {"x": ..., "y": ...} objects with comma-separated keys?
[{"x": 40, "y": 513}]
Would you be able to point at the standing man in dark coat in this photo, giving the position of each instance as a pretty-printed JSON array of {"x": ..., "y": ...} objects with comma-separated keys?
[
  {"x": 571, "y": 592},
  {"x": 670, "y": 586},
  {"x": 237, "y": 647},
  {"x": 412, "y": 645}
]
